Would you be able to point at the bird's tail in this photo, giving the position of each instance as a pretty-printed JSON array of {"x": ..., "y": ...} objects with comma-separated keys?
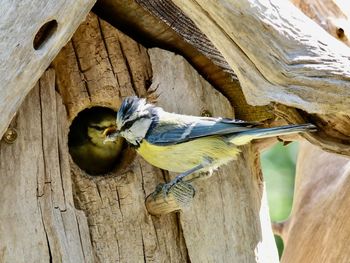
[{"x": 260, "y": 133}]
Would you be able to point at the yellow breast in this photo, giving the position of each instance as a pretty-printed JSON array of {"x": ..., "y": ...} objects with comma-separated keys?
[{"x": 184, "y": 156}]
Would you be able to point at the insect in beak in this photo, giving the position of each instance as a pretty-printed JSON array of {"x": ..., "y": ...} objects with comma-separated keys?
[{"x": 111, "y": 134}]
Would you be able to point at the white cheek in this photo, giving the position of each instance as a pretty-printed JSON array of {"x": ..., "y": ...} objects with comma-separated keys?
[
  {"x": 127, "y": 135},
  {"x": 137, "y": 131},
  {"x": 140, "y": 128}
]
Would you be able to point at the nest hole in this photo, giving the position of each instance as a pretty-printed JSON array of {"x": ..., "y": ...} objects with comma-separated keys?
[
  {"x": 87, "y": 147},
  {"x": 43, "y": 35}
]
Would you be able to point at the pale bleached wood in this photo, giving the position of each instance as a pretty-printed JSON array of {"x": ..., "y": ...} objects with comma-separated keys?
[
  {"x": 49, "y": 131},
  {"x": 93, "y": 80},
  {"x": 278, "y": 54},
  {"x": 319, "y": 214},
  {"x": 331, "y": 15},
  {"x": 318, "y": 228},
  {"x": 37, "y": 217},
  {"x": 20, "y": 64}
]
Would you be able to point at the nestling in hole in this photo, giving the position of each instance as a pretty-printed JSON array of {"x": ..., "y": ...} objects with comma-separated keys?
[{"x": 86, "y": 141}]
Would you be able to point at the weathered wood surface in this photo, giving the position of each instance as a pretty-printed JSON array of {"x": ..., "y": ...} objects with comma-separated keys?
[
  {"x": 281, "y": 86},
  {"x": 100, "y": 66},
  {"x": 120, "y": 227},
  {"x": 282, "y": 58},
  {"x": 318, "y": 228},
  {"x": 319, "y": 214},
  {"x": 278, "y": 57},
  {"x": 20, "y": 64},
  {"x": 38, "y": 220},
  {"x": 159, "y": 23},
  {"x": 96, "y": 61},
  {"x": 331, "y": 15}
]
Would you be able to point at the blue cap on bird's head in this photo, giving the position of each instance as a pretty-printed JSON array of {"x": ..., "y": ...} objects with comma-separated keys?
[
  {"x": 134, "y": 118},
  {"x": 132, "y": 109}
]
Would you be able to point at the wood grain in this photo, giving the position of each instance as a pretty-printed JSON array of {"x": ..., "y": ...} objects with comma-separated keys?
[
  {"x": 20, "y": 64},
  {"x": 320, "y": 214},
  {"x": 37, "y": 217},
  {"x": 101, "y": 66},
  {"x": 160, "y": 23},
  {"x": 302, "y": 66},
  {"x": 321, "y": 190}
]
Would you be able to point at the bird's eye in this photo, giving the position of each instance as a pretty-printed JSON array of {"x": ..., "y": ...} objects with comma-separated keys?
[
  {"x": 96, "y": 127},
  {"x": 127, "y": 125},
  {"x": 130, "y": 123}
]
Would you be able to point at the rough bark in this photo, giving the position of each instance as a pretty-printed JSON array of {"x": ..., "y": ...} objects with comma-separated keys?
[
  {"x": 38, "y": 220},
  {"x": 120, "y": 227},
  {"x": 100, "y": 66},
  {"x": 24, "y": 54}
]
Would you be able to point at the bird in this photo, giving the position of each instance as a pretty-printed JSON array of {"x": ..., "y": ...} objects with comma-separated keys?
[
  {"x": 186, "y": 144},
  {"x": 86, "y": 141}
]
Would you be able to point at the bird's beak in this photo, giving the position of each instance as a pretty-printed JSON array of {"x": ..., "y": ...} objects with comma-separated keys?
[{"x": 111, "y": 134}]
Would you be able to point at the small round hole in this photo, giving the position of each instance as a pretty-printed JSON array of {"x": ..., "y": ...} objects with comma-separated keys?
[
  {"x": 86, "y": 141},
  {"x": 44, "y": 34},
  {"x": 340, "y": 32}
]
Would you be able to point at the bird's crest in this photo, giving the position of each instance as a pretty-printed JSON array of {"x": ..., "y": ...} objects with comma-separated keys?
[{"x": 131, "y": 109}]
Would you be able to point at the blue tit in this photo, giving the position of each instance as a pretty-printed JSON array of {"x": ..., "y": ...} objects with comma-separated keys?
[{"x": 186, "y": 144}]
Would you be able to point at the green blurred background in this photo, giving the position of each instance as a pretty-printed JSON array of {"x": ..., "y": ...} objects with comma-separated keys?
[{"x": 278, "y": 166}]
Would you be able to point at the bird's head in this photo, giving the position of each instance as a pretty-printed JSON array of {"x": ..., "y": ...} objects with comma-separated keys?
[
  {"x": 96, "y": 125},
  {"x": 134, "y": 118}
]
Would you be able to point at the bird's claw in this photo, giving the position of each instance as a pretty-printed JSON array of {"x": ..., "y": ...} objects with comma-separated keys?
[
  {"x": 165, "y": 188},
  {"x": 183, "y": 192}
]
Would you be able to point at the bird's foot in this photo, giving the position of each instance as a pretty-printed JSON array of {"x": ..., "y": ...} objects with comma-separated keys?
[{"x": 183, "y": 192}]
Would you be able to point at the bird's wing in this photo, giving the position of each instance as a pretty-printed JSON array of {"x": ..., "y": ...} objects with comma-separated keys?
[{"x": 179, "y": 129}]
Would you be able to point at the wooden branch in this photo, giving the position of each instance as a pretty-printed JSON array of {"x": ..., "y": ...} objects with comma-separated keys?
[
  {"x": 24, "y": 53},
  {"x": 278, "y": 57},
  {"x": 334, "y": 129}
]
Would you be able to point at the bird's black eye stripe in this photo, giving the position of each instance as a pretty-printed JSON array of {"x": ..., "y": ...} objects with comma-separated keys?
[
  {"x": 98, "y": 127},
  {"x": 128, "y": 124}
]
